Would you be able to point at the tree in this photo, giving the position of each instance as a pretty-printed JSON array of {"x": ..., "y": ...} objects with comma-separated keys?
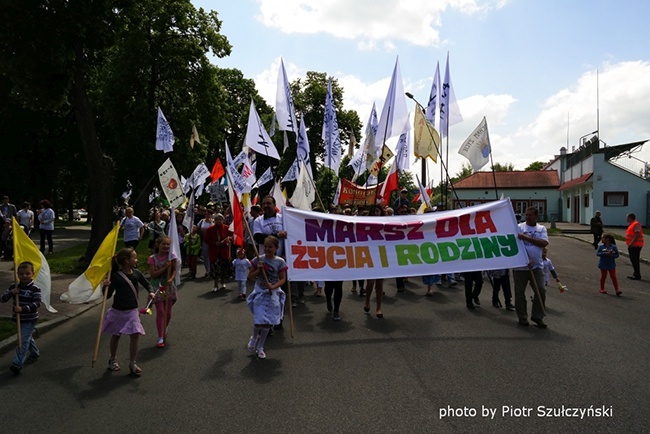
[
  {"x": 102, "y": 67},
  {"x": 498, "y": 167},
  {"x": 535, "y": 165},
  {"x": 46, "y": 53}
]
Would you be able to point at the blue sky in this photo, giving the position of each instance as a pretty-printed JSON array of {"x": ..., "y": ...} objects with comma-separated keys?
[{"x": 530, "y": 67}]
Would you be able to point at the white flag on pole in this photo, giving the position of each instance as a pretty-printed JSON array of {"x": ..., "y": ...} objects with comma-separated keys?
[
  {"x": 239, "y": 182},
  {"x": 449, "y": 111},
  {"x": 171, "y": 185},
  {"x": 476, "y": 148},
  {"x": 266, "y": 177},
  {"x": 164, "y": 135},
  {"x": 256, "y": 136},
  {"x": 292, "y": 173},
  {"x": 331, "y": 133},
  {"x": 394, "y": 114},
  {"x": 303, "y": 147},
  {"x": 286, "y": 113},
  {"x": 304, "y": 194}
]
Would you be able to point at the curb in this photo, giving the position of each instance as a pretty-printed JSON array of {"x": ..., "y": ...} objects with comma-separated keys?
[
  {"x": 44, "y": 327},
  {"x": 620, "y": 252}
]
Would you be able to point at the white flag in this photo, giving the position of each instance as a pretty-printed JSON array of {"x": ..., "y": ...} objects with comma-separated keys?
[
  {"x": 171, "y": 184},
  {"x": 449, "y": 111},
  {"x": 188, "y": 219},
  {"x": 402, "y": 150},
  {"x": 434, "y": 97},
  {"x": 239, "y": 182},
  {"x": 240, "y": 158},
  {"x": 276, "y": 192},
  {"x": 164, "y": 135},
  {"x": 303, "y": 147},
  {"x": 394, "y": 114},
  {"x": 477, "y": 146},
  {"x": 286, "y": 113},
  {"x": 304, "y": 194},
  {"x": 197, "y": 178},
  {"x": 256, "y": 136},
  {"x": 248, "y": 172},
  {"x": 292, "y": 173},
  {"x": 330, "y": 133},
  {"x": 266, "y": 177},
  {"x": 337, "y": 195},
  {"x": 175, "y": 246}
]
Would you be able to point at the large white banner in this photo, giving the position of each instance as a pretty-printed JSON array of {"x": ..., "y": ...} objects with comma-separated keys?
[{"x": 338, "y": 247}]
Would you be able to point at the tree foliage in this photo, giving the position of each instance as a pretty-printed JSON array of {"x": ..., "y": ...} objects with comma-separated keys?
[{"x": 535, "y": 165}]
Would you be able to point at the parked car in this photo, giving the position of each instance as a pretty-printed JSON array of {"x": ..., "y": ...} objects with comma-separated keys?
[{"x": 78, "y": 214}]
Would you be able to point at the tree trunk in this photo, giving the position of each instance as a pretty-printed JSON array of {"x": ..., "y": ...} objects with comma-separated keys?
[{"x": 100, "y": 166}]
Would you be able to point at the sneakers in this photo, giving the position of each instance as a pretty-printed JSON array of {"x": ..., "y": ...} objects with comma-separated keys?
[
  {"x": 470, "y": 305},
  {"x": 336, "y": 316},
  {"x": 452, "y": 283},
  {"x": 329, "y": 306},
  {"x": 261, "y": 354},
  {"x": 510, "y": 307},
  {"x": 539, "y": 322},
  {"x": 242, "y": 295},
  {"x": 294, "y": 304},
  {"x": 301, "y": 300},
  {"x": 496, "y": 304},
  {"x": 619, "y": 293},
  {"x": 523, "y": 322},
  {"x": 476, "y": 301},
  {"x": 215, "y": 289},
  {"x": 602, "y": 291},
  {"x": 252, "y": 343},
  {"x": 161, "y": 343},
  {"x": 15, "y": 369}
]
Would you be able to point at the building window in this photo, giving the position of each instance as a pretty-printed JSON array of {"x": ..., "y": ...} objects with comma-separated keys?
[
  {"x": 568, "y": 202},
  {"x": 615, "y": 198},
  {"x": 541, "y": 207},
  {"x": 586, "y": 200}
]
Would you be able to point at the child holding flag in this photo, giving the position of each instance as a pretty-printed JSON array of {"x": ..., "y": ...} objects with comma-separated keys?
[
  {"x": 123, "y": 317},
  {"x": 29, "y": 300},
  {"x": 162, "y": 270}
]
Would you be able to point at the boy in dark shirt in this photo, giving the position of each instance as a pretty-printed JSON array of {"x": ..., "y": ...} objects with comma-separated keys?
[{"x": 29, "y": 300}]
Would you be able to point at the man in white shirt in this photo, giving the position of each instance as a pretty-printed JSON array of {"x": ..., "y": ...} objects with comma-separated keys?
[
  {"x": 535, "y": 239},
  {"x": 133, "y": 229}
]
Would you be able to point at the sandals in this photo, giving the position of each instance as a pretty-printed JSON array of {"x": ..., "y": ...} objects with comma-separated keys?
[
  {"x": 113, "y": 365},
  {"x": 135, "y": 369}
]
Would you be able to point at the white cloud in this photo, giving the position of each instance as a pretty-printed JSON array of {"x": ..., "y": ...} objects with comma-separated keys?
[{"x": 414, "y": 21}]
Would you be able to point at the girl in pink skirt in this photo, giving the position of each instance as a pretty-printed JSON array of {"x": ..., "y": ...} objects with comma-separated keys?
[{"x": 123, "y": 317}]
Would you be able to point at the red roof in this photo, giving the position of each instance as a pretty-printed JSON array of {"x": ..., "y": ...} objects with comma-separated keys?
[
  {"x": 577, "y": 181},
  {"x": 513, "y": 179}
]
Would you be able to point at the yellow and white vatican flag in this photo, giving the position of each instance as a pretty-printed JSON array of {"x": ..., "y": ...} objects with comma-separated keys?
[
  {"x": 26, "y": 251},
  {"x": 85, "y": 287}
]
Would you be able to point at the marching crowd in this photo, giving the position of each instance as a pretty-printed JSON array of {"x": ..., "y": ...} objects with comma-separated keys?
[{"x": 207, "y": 238}]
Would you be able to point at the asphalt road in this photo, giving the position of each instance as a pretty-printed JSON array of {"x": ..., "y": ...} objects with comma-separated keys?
[{"x": 427, "y": 357}]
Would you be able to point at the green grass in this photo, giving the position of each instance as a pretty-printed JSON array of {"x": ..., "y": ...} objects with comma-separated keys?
[
  {"x": 68, "y": 261},
  {"x": 7, "y": 328}
]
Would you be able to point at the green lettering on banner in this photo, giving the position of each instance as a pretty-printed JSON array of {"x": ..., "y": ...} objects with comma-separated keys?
[
  {"x": 509, "y": 243},
  {"x": 407, "y": 253},
  {"x": 466, "y": 251},
  {"x": 448, "y": 251},
  {"x": 429, "y": 253},
  {"x": 490, "y": 247}
]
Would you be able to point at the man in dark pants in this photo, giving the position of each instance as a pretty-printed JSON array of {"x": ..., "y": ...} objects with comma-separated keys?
[{"x": 596, "y": 228}]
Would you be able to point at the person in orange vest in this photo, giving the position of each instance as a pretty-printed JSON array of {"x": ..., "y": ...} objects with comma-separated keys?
[{"x": 634, "y": 241}]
